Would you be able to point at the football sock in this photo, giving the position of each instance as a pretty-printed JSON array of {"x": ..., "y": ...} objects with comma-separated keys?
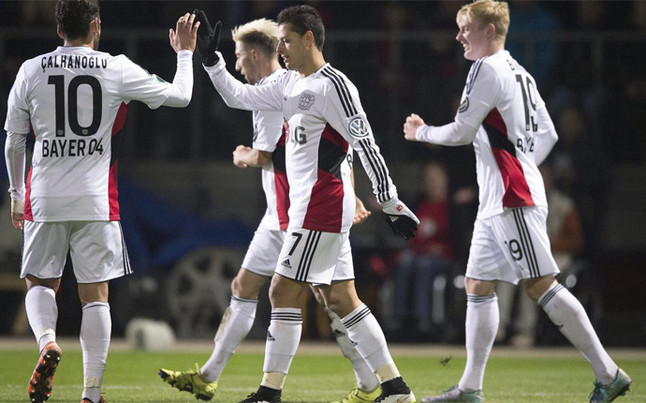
[
  {"x": 570, "y": 317},
  {"x": 42, "y": 313},
  {"x": 364, "y": 330},
  {"x": 481, "y": 325},
  {"x": 234, "y": 327},
  {"x": 366, "y": 379},
  {"x": 283, "y": 337},
  {"x": 96, "y": 327}
]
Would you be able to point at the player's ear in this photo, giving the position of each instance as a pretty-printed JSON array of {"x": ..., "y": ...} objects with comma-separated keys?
[
  {"x": 59, "y": 32},
  {"x": 491, "y": 31},
  {"x": 309, "y": 39},
  {"x": 95, "y": 26}
]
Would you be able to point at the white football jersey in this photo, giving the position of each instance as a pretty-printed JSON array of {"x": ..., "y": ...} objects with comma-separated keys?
[
  {"x": 269, "y": 131},
  {"x": 326, "y": 123},
  {"x": 504, "y": 116},
  {"x": 74, "y": 100}
]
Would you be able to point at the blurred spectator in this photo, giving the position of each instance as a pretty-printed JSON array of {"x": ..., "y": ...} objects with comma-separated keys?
[
  {"x": 566, "y": 237},
  {"x": 34, "y": 13},
  {"x": 581, "y": 170},
  {"x": 536, "y": 51},
  {"x": 623, "y": 108},
  {"x": 429, "y": 254}
]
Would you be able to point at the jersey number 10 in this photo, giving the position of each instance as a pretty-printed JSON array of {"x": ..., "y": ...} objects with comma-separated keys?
[{"x": 72, "y": 104}]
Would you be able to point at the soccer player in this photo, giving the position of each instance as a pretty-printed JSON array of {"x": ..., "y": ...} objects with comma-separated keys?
[
  {"x": 257, "y": 61},
  {"x": 504, "y": 117},
  {"x": 326, "y": 123},
  {"x": 74, "y": 99}
]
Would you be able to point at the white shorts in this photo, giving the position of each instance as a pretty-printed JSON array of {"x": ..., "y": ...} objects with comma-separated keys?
[
  {"x": 316, "y": 257},
  {"x": 97, "y": 249},
  {"x": 263, "y": 251},
  {"x": 511, "y": 246}
]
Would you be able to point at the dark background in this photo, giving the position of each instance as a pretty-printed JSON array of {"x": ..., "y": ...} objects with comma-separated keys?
[{"x": 180, "y": 193}]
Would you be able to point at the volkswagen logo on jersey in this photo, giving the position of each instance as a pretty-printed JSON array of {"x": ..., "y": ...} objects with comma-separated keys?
[
  {"x": 306, "y": 101},
  {"x": 464, "y": 105},
  {"x": 358, "y": 127}
]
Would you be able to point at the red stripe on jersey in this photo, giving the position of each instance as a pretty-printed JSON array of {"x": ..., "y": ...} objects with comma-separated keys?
[
  {"x": 120, "y": 119},
  {"x": 325, "y": 209},
  {"x": 113, "y": 192},
  {"x": 517, "y": 193},
  {"x": 334, "y": 137},
  {"x": 280, "y": 180},
  {"x": 27, "y": 214}
]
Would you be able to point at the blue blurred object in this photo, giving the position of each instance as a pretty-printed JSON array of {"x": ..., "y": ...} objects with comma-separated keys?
[{"x": 158, "y": 234}]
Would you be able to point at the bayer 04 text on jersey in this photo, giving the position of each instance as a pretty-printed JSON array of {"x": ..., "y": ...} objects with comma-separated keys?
[{"x": 71, "y": 147}]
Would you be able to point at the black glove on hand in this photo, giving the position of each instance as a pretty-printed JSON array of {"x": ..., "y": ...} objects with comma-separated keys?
[
  {"x": 403, "y": 221},
  {"x": 208, "y": 39},
  {"x": 402, "y": 225}
]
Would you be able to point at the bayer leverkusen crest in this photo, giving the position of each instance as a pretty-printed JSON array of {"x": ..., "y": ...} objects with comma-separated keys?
[{"x": 306, "y": 101}]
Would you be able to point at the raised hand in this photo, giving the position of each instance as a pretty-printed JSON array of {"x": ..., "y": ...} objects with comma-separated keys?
[
  {"x": 184, "y": 37},
  {"x": 208, "y": 39}
]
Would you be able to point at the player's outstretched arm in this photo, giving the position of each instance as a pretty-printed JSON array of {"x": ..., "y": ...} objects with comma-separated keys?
[
  {"x": 184, "y": 37},
  {"x": 412, "y": 123}
]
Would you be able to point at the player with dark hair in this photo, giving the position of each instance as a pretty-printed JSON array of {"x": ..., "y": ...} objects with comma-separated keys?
[
  {"x": 74, "y": 99},
  {"x": 257, "y": 61},
  {"x": 502, "y": 114},
  {"x": 326, "y": 124}
]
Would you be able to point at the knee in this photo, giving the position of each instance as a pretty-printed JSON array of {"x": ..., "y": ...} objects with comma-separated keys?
[
  {"x": 238, "y": 289},
  {"x": 479, "y": 287},
  {"x": 536, "y": 288},
  {"x": 285, "y": 293}
]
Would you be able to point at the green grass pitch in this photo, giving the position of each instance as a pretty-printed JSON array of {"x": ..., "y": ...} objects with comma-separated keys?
[{"x": 320, "y": 374}]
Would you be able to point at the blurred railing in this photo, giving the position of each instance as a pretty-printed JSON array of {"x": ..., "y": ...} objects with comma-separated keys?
[{"x": 396, "y": 73}]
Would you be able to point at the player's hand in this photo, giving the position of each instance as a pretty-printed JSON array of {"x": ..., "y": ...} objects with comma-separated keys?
[
  {"x": 413, "y": 122},
  {"x": 208, "y": 39},
  {"x": 18, "y": 213},
  {"x": 184, "y": 37},
  {"x": 403, "y": 221},
  {"x": 361, "y": 213},
  {"x": 239, "y": 154}
]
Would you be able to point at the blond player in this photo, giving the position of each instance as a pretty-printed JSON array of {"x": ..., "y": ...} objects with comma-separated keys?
[{"x": 502, "y": 114}]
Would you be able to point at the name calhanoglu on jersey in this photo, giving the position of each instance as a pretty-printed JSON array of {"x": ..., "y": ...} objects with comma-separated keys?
[{"x": 73, "y": 62}]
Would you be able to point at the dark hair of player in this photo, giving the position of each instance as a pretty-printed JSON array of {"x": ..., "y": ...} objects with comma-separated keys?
[
  {"x": 74, "y": 17},
  {"x": 303, "y": 18}
]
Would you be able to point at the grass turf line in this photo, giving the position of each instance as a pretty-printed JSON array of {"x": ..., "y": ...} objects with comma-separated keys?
[{"x": 131, "y": 376}]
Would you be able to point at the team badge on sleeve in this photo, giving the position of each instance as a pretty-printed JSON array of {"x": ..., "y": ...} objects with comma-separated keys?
[
  {"x": 358, "y": 127},
  {"x": 306, "y": 101},
  {"x": 464, "y": 105}
]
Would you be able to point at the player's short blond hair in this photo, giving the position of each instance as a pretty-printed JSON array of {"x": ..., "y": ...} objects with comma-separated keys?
[
  {"x": 485, "y": 12},
  {"x": 261, "y": 34}
]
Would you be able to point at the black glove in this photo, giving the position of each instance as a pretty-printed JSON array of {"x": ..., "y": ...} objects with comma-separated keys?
[
  {"x": 403, "y": 221},
  {"x": 208, "y": 39}
]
